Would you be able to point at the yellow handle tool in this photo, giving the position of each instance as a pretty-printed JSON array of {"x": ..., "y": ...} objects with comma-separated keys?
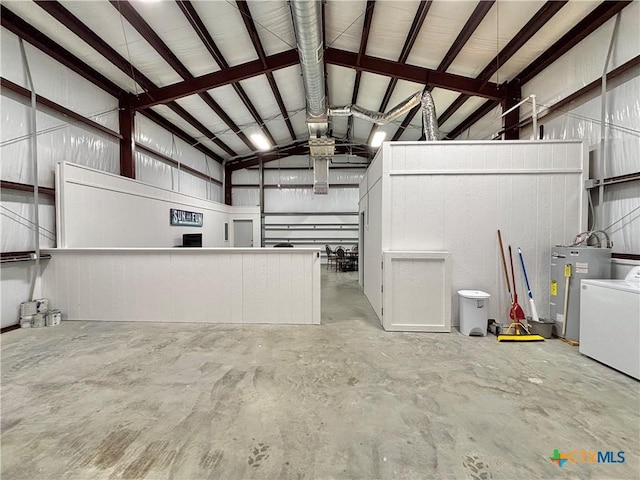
[{"x": 567, "y": 276}]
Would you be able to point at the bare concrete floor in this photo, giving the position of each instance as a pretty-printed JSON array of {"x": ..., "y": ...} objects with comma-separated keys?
[{"x": 91, "y": 400}]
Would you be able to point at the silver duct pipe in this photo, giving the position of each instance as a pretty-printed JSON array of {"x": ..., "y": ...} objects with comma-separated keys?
[
  {"x": 307, "y": 22},
  {"x": 429, "y": 118},
  {"x": 424, "y": 98}
]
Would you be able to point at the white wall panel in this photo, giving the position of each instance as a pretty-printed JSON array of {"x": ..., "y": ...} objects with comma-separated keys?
[
  {"x": 17, "y": 221},
  {"x": 304, "y": 200},
  {"x": 97, "y": 209},
  {"x": 370, "y": 206},
  {"x": 585, "y": 62},
  {"x": 56, "y": 82},
  {"x": 245, "y": 197},
  {"x": 57, "y": 141},
  {"x": 153, "y": 171},
  {"x": 454, "y": 196},
  {"x": 622, "y": 213},
  {"x": 185, "y": 285}
]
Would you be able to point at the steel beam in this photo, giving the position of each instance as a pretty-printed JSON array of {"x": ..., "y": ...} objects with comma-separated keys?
[
  {"x": 199, "y": 27},
  {"x": 542, "y": 16},
  {"x": 257, "y": 44},
  {"x": 66, "y": 18},
  {"x": 510, "y": 121},
  {"x": 127, "y": 130},
  {"x": 413, "y": 73},
  {"x": 474, "y": 20},
  {"x": 175, "y": 163},
  {"x": 22, "y": 29},
  {"x": 45, "y": 102},
  {"x": 480, "y": 112},
  {"x": 299, "y": 148},
  {"x": 178, "y": 132},
  {"x": 364, "y": 38},
  {"x": 582, "y": 29},
  {"x": 418, "y": 20},
  {"x": 216, "y": 79},
  {"x": 130, "y": 14}
]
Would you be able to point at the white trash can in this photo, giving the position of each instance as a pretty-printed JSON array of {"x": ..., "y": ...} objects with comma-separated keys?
[{"x": 473, "y": 312}]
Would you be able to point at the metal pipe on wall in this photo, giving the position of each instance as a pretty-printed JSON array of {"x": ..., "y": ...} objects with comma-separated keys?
[
  {"x": 600, "y": 221},
  {"x": 34, "y": 158}
]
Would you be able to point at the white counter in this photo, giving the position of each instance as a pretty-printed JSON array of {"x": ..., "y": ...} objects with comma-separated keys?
[{"x": 205, "y": 285}]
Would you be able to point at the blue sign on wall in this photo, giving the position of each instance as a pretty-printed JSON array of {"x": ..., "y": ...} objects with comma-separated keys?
[{"x": 183, "y": 218}]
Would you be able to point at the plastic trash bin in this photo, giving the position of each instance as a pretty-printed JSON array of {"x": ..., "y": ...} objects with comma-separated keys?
[{"x": 473, "y": 312}]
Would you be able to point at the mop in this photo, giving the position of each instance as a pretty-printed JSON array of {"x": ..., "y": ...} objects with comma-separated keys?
[{"x": 515, "y": 313}]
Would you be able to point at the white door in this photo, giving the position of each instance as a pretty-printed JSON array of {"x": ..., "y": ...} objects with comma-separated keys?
[{"x": 243, "y": 233}]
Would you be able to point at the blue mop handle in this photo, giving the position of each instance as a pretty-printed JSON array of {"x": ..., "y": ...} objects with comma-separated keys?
[{"x": 524, "y": 270}]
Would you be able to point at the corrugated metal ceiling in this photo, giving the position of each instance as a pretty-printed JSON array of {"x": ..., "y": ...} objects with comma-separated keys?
[{"x": 241, "y": 30}]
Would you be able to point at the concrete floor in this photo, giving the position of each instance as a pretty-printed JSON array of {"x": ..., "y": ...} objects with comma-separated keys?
[{"x": 90, "y": 400}]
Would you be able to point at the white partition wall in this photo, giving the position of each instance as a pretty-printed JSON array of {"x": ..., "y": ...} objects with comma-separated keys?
[
  {"x": 200, "y": 285},
  {"x": 98, "y": 209},
  {"x": 454, "y": 196}
]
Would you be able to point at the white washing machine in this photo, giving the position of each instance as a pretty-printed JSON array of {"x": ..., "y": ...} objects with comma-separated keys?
[{"x": 610, "y": 322}]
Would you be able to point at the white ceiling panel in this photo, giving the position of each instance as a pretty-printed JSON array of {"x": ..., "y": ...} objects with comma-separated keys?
[
  {"x": 279, "y": 130},
  {"x": 391, "y": 22},
  {"x": 230, "y": 102},
  {"x": 174, "y": 118},
  {"x": 372, "y": 88},
  {"x": 555, "y": 28},
  {"x": 289, "y": 82},
  {"x": 63, "y": 36},
  {"x": 361, "y": 129},
  {"x": 224, "y": 22},
  {"x": 274, "y": 25},
  {"x": 389, "y": 27},
  {"x": 470, "y": 106},
  {"x": 340, "y": 80},
  {"x": 203, "y": 113},
  {"x": 442, "y": 26},
  {"x": 443, "y": 99},
  {"x": 260, "y": 93},
  {"x": 497, "y": 29},
  {"x": 101, "y": 17},
  {"x": 171, "y": 25},
  {"x": 344, "y": 22},
  {"x": 339, "y": 126},
  {"x": 485, "y": 128},
  {"x": 298, "y": 121}
]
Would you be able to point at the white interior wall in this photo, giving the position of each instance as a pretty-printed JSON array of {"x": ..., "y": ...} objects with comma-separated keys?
[
  {"x": 454, "y": 196},
  {"x": 282, "y": 204},
  {"x": 61, "y": 140},
  {"x": 97, "y": 209},
  {"x": 582, "y": 65},
  {"x": 371, "y": 242},
  {"x": 622, "y": 156},
  {"x": 153, "y": 170},
  {"x": 244, "y": 285}
]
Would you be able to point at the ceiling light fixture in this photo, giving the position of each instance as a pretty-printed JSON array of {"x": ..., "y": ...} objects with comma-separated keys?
[
  {"x": 377, "y": 139},
  {"x": 260, "y": 141}
]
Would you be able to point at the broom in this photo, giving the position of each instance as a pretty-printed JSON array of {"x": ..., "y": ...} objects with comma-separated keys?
[{"x": 516, "y": 313}]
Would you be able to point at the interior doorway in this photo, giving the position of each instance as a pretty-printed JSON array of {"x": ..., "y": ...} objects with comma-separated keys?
[{"x": 243, "y": 233}]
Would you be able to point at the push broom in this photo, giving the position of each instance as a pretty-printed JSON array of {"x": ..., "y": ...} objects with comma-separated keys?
[{"x": 516, "y": 313}]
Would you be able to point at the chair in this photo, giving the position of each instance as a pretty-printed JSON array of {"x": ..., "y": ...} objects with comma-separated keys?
[
  {"x": 331, "y": 256},
  {"x": 342, "y": 261}
]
